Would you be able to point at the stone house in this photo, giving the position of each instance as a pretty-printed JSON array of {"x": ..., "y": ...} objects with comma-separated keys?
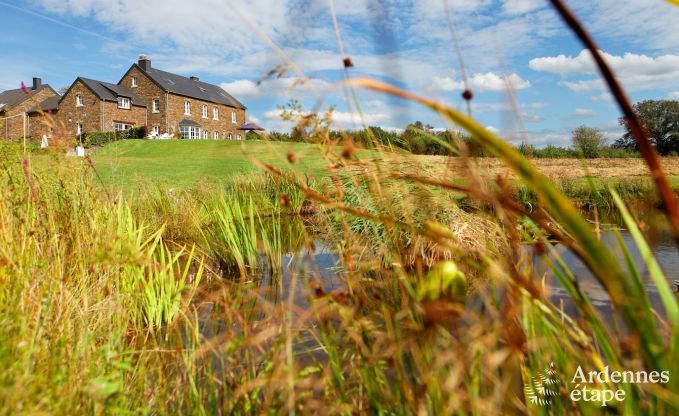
[
  {"x": 90, "y": 105},
  {"x": 195, "y": 109},
  {"x": 20, "y": 111}
]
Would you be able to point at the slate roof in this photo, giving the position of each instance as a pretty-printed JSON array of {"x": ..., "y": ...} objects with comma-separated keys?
[
  {"x": 109, "y": 92},
  {"x": 187, "y": 87},
  {"x": 48, "y": 104},
  {"x": 187, "y": 122},
  {"x": 12, "y": 98}
]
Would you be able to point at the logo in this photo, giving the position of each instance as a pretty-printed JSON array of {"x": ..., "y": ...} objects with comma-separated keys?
[{"x": 543, "y": 387}]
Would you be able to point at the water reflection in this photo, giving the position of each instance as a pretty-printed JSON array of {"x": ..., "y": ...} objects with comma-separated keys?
[{"x": 662, "y": 246}]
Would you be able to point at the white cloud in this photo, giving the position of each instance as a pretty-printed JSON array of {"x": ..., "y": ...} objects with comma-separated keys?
[
  {"x": 244, "y": 88},
  {"x": 604, "y": 96},
  {"x": 580, "y": 113},
  {"x": 673, "y": 95},
  {"x": 635, "y": 71},
  {"x": 514, "y": 7},
  {"x": 481, "y": 82},
  {"x": 342, "y": 119},
  {"x": 584, "y": 112}
]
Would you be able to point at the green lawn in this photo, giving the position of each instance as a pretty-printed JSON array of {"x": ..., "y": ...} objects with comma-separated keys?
[{"x": 184, "y": 163}]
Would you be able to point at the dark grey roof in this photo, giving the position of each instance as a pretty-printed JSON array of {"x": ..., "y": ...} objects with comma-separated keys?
[
  {"x": 12, "y": 98},
  {"x": 111, "y": 92},
  {"x": 48, "y": 104},
  {"x": 187, "y": 122},
  {"x": 187, "y": 87}
]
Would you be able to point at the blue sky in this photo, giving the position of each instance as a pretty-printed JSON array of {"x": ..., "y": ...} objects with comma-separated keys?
[{"x": 233, "y": 43}]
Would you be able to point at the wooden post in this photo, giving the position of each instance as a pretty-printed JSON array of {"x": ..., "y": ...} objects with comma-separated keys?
[{"x": 24, "y": 126}]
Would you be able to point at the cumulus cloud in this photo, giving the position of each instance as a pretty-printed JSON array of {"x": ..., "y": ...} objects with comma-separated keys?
[
  {"x": 281, "y": 87},
  {"x": 635, "y": 71},
  {"x": 673, "y": 95},
  {"x": 580, "y": 113},
  {"x": 481, "y": 82},
  {"x": 343, "y": 119},
  {"x": 515, "y": 7}
]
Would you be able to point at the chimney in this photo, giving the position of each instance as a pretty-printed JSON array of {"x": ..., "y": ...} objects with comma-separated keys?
[
  {"x": 144, "y": 62},
  {"x": 37, "y": 83},
  {"x": 195, "y": 79}
]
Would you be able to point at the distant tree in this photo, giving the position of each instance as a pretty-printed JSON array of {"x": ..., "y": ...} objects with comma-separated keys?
[
  {"x": 661, "y": 118},
  {"x": 588, "y": 141}
]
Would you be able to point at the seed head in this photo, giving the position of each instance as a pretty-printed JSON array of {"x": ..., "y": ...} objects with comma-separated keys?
[{"x": 468, "y": 94}]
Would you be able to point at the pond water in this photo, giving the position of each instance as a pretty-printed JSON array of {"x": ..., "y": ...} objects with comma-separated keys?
[{"x": 307, "y": 267}]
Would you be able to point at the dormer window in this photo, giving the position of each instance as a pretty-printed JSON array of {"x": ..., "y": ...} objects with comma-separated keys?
[
  {"x": 233, "y": 117},
  {"x": 204, "y": 111},
  {"x": 187, "y": 108},
  {"x": 215, "y": 113},
  {"x": 134, "y": 82},
  {"x": 124, "y": 102},
  {"x": 79, "y": 100}
]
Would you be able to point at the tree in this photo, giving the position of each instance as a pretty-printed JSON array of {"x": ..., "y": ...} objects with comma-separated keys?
[
  {"x": 661, "y": 118},
  {"x": 588, "y": 141}
]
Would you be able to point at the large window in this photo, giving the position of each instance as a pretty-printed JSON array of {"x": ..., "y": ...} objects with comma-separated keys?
[
  {"x": 205, "y": 134},
  {"x": 189, "y": 132},
  {"x": 156, "y": 105},
  {"x": 79, "y": 100},
  {"x": 124, "y": 102},
  {"x": 215, "y": 113},
  {"x": 187, "y": 108},
  {"x": 121, "y": 126},
  {"x": 204, "y": 112},
  {"x": 215, "y": 135},
  {"x": 233, "y": 117}
]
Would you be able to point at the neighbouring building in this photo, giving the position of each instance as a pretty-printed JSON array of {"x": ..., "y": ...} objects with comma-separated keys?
[
  {"x": 20, "y": 111},
  {"x": 89, "y": 106},
  {"x": 195, "y": 109}
]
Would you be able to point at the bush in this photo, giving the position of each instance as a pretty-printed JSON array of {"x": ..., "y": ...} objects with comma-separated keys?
[
  {"x": 100, "y": 138},
  {"x": 588, "y": 141}
]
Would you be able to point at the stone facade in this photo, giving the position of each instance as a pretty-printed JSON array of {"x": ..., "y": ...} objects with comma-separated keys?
[
  {"x": 95, "y": 114},
  {"x": 224, "y": 125},
  {"x": 13, "y": 127},
  {"x": 148, "y": 91},
  {"x": 171, "y": 109}
]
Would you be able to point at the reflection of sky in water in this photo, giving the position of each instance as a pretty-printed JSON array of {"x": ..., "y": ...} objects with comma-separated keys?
[{"x": 663, "y": 248}]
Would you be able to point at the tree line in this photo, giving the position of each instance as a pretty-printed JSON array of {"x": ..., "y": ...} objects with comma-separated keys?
[{"x": 661, "y": 118}]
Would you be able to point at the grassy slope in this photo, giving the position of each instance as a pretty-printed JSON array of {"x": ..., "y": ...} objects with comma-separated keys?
[{"x": 184, "y": 163}]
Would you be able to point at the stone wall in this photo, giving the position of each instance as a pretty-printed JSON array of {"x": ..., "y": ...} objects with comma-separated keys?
[
  {"x": 148, "y": 91},
  {"x": 89, "y": 114},
  {"x": 13, "y": 127},
  {"x": 224, "y": 126}
]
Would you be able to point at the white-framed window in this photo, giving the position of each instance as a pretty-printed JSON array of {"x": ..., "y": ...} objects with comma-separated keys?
[
  {"x": 238, "y": 137},
  {"x": 156, "y": 105},
  {"x": 124, "y": 102},
  {"x": 230, "y": 136},
  {"x": 121, "y": 126},
  {"x": 233, "y": 117},
  {"x": 215, "y": 135},
  {"x": 134, "y": 82},
  {"x": 187, "y": 108},
  {"x": 215, "y": 113},
  {"x": 205, "y": 134},
  {"x": 79, "y": 130},
  {"x": 189, "y": 132},
  {"x": 156, "y": 130},
  {"x": 204, "y": 111},
  {"x": 79, "y": 100}
]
